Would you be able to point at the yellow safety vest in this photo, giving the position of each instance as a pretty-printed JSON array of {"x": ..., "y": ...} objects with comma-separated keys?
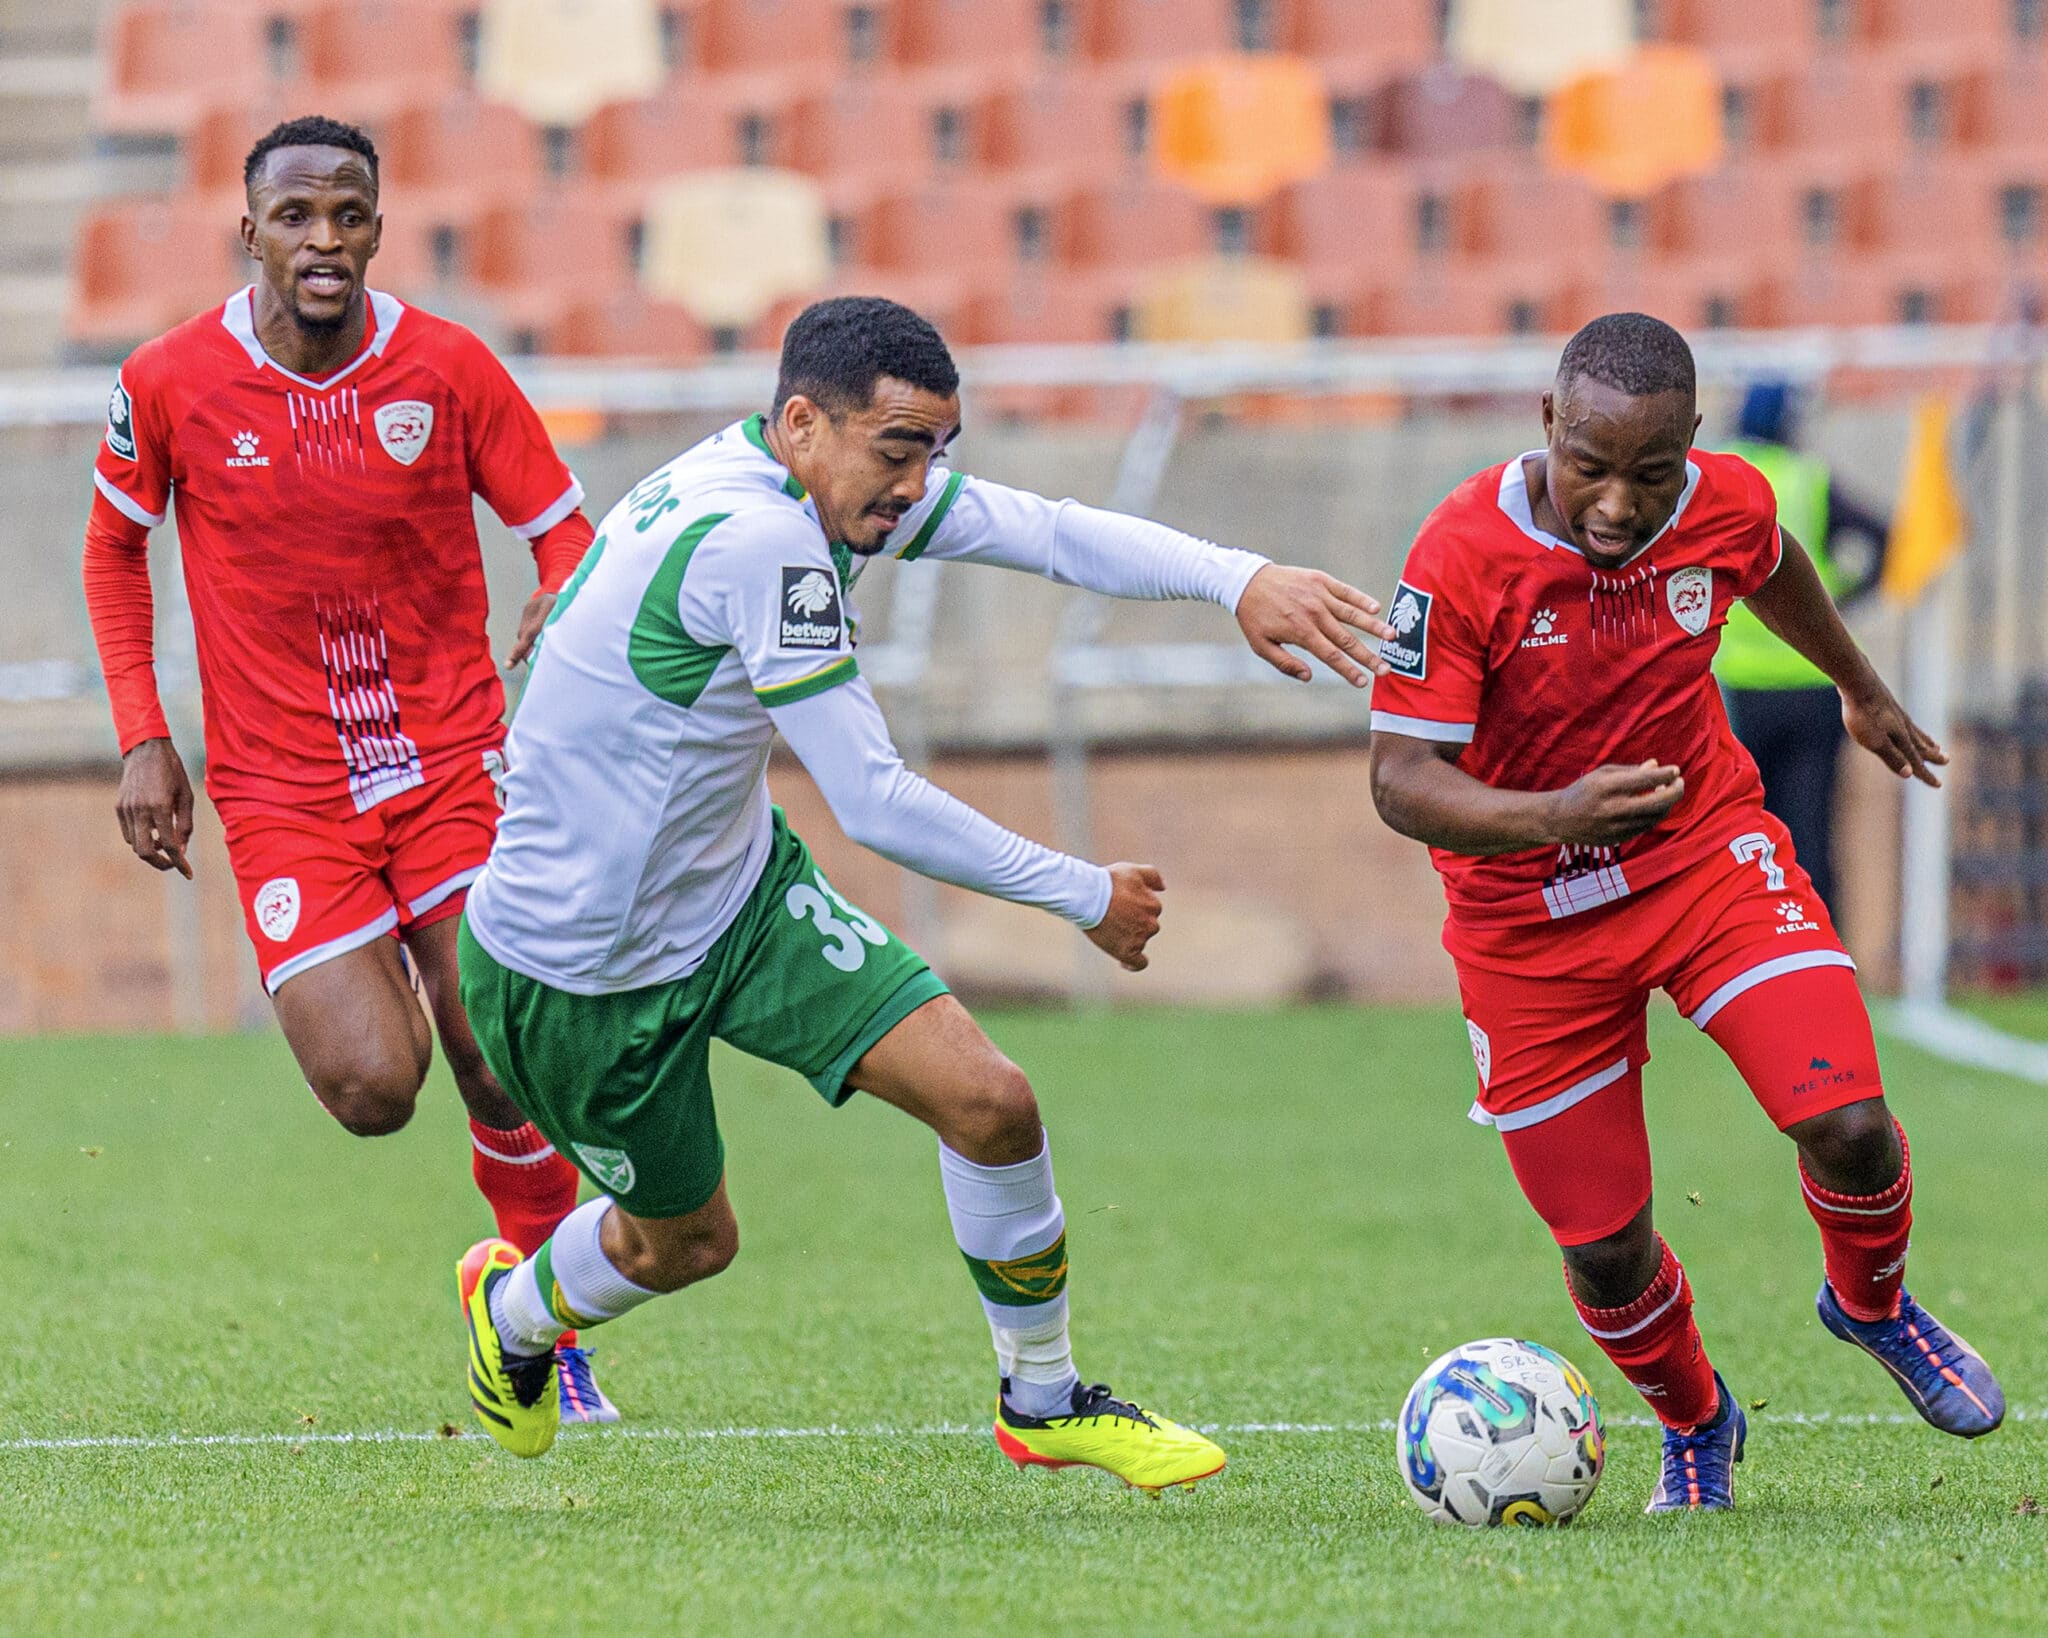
[{"x": 1750, "y": 656}]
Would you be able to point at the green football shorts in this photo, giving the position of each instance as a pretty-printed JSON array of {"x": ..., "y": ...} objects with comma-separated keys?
[{"x": 622, "y": 1083}]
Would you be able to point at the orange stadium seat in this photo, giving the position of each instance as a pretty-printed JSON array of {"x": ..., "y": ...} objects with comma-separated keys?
[
  {"x": 2004, "y": 101},
  {"x": 1053, "y": 307},
  {"x": 993, "y": 33},
  {"x": 1159, "y": 31},
  {"x": 141, "y": 266},
  {"x": 1536, "y": 294},
  {"x": 163, "y": 63},
  {"x": 1694, "y": 294},
  {"x": 889, "y": 126},
  {"x": 1985, "y": 22},
  {"x": 1137, "y": 222},
  {"x": 1954, "y": 207}
]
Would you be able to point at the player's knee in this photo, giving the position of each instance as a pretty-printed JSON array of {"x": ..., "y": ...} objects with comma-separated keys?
[
  {"x": 1614, "y": 1271},
  {"x": 370, "y": 1099},
  {"x": 996, "y": 1122},
  {"x": 1854, "y": 1148}
]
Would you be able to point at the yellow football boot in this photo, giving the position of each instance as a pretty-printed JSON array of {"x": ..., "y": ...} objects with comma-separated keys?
[
  {"x": 1141, "y": 1448},
  {"x": 517, "y": 1397}
]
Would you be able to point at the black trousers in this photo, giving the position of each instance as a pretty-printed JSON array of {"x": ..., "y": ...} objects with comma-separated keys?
[{"x": 1796, "y": 736}]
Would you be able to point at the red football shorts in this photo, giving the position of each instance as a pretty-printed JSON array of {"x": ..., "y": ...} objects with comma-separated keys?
[
  {"x": 319, "y": 879},
  {"x": 1556, "y": 1014}
]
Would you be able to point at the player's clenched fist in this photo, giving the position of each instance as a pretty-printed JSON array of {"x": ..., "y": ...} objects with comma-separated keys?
[
  {"x": 1614, "y": 803},
  {"x": 1133, "y": 915}
]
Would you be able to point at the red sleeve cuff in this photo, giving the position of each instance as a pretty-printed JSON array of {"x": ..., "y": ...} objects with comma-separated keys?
[{"x": 558, "y": 552}]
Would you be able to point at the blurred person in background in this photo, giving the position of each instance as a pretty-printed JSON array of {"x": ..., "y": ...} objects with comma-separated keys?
[
  {"x": 1786, "y": 714},
  {"x": 322, "y": 441}
]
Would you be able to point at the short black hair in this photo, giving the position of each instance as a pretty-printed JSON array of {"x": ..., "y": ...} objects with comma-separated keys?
[
  {"x": 309, "y": 131},
  {"x": 1632, "y": 352},
  {"x": 836, "y": 350}
]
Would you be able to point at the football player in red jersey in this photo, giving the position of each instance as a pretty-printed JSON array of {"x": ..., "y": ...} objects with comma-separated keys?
[
  {"x": 323, "y": 441},
  {"x": 1549, "y": 725}
]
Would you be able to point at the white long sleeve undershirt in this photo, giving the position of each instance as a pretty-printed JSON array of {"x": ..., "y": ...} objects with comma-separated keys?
[{"x": 842, "y": 740}]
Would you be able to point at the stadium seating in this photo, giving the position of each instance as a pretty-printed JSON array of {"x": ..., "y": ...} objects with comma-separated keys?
[{"x": 994, "y": 156}]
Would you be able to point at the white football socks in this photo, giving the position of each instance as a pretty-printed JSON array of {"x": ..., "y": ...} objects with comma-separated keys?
[
  {"x": 1012, "y": 1230},
  {"x": 569, "y": 1284}
]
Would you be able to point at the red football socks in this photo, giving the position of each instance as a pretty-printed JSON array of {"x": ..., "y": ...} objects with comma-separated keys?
[
  {"x": 531, "y": 1188},
  {"x": 1863, "y": 1239},
  {"x": 1654, "y": 1343}
]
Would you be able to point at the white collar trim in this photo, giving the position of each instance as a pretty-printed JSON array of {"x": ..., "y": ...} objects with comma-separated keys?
[
  {"x": 1514, "y": 501},
  {"x": 238, "y": 318}
]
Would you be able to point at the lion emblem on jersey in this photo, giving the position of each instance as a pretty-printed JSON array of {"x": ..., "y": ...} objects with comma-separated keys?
[
  {"x": 812, "y": 594},
  {"x": 1689, "y": 593},
  {"x": 403, "y": 428}
]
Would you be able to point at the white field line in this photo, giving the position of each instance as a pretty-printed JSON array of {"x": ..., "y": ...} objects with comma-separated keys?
[{"x": 934, "y": 1430}]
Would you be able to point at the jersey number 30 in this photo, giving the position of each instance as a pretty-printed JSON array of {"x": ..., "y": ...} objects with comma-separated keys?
[{"x": 845, "y": 940}]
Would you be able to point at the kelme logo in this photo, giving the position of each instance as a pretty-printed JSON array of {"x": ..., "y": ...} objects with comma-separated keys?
[{"x": 611, "y": 1167}]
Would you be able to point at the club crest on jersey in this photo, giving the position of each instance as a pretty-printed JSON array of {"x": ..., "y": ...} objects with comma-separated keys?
[
  {"x": 1407, "y": 651},
  {"x": 611, "y": 1167},
  {"x": 1482, "y": 1051},
  {"x": 121, "y": 422},
  {"x": 403, "y": 428},
  {"x": 811, "y": 616},
  {"x": 1689, "y": 594},
  {"x": 277, "y": 907}
]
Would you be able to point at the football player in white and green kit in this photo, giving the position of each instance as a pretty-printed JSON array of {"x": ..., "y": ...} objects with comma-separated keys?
[{"x": 644, "y": 896}]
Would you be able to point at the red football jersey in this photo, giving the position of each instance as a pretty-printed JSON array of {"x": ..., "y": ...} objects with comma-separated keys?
[
  {"x": 1543, "y": 667},
  {"x": 329, "y": 545}
]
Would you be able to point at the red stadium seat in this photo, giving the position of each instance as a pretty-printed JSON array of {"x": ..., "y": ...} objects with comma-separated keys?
[
  {"x": 141, "y": 266},
  {"x": 1048, "y": 307},
  {"x": 1476, "y": 301},
  {"x": 887, "y": 125},
  {"x": 627, "y": 324},
  {"x": 1360, "y": 216},
  {"x": 458, "y": 145},
  {"x": 965, "y": 227},
  {"x": 1159, "y": 31},
  {"x": 1069, "y": 117},
  {"x": 1951, "y": 207},
  {"x": 688, "y": 130},
  {"x": 2004, "y": 101},
  {"x": 1739, "y": 23},
  {"x": 561, "y": 247},
  {"x": 1526, "y": 208},
  {"x": 1137, "y": 222},
  {"x": 1952, "y": 22},
  {"x": 375, "y": 54},
  {"x": 164, "y": 63},
  {"x": 1393, "y": 32},
  {"x": 754, "y": 35},
  {"x": 989, "y": 33}
]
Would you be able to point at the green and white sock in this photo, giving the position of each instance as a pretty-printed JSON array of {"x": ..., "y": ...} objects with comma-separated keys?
[
  {"x": 567, "y": 1285},
  {"x": 1012, "y": 1230}
]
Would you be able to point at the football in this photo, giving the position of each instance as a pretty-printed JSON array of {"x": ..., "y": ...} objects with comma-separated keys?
[{"x": 1500, "y": 1432}]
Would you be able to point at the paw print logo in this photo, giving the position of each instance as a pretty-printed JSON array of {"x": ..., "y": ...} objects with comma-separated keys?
[
  {"x": 1545, "y": 619},
  {"x": 245, "y": 444},
  {"x": 1791, "y": 910}
]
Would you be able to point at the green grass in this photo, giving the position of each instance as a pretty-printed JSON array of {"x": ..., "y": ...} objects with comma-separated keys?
[{"x": 1274, "y": 1218}]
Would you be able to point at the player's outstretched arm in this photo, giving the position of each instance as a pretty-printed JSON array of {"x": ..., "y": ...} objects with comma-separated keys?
[
  {"x": 1795, "y": 605},
  {"x": 1420, "y": 792},
  {"x": 1278, "y": 608},
  {"x": 842, "y": 740}
]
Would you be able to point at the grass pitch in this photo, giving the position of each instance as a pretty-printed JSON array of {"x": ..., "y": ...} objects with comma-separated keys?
[{"x": 1275, "y": 1219}]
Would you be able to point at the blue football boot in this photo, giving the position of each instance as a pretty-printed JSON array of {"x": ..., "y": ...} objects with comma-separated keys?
[
  {"x": 1699, "y": 1466},
  {"x": 582, "y": 1399},
  {"x": 1944, "y": 1378}
]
